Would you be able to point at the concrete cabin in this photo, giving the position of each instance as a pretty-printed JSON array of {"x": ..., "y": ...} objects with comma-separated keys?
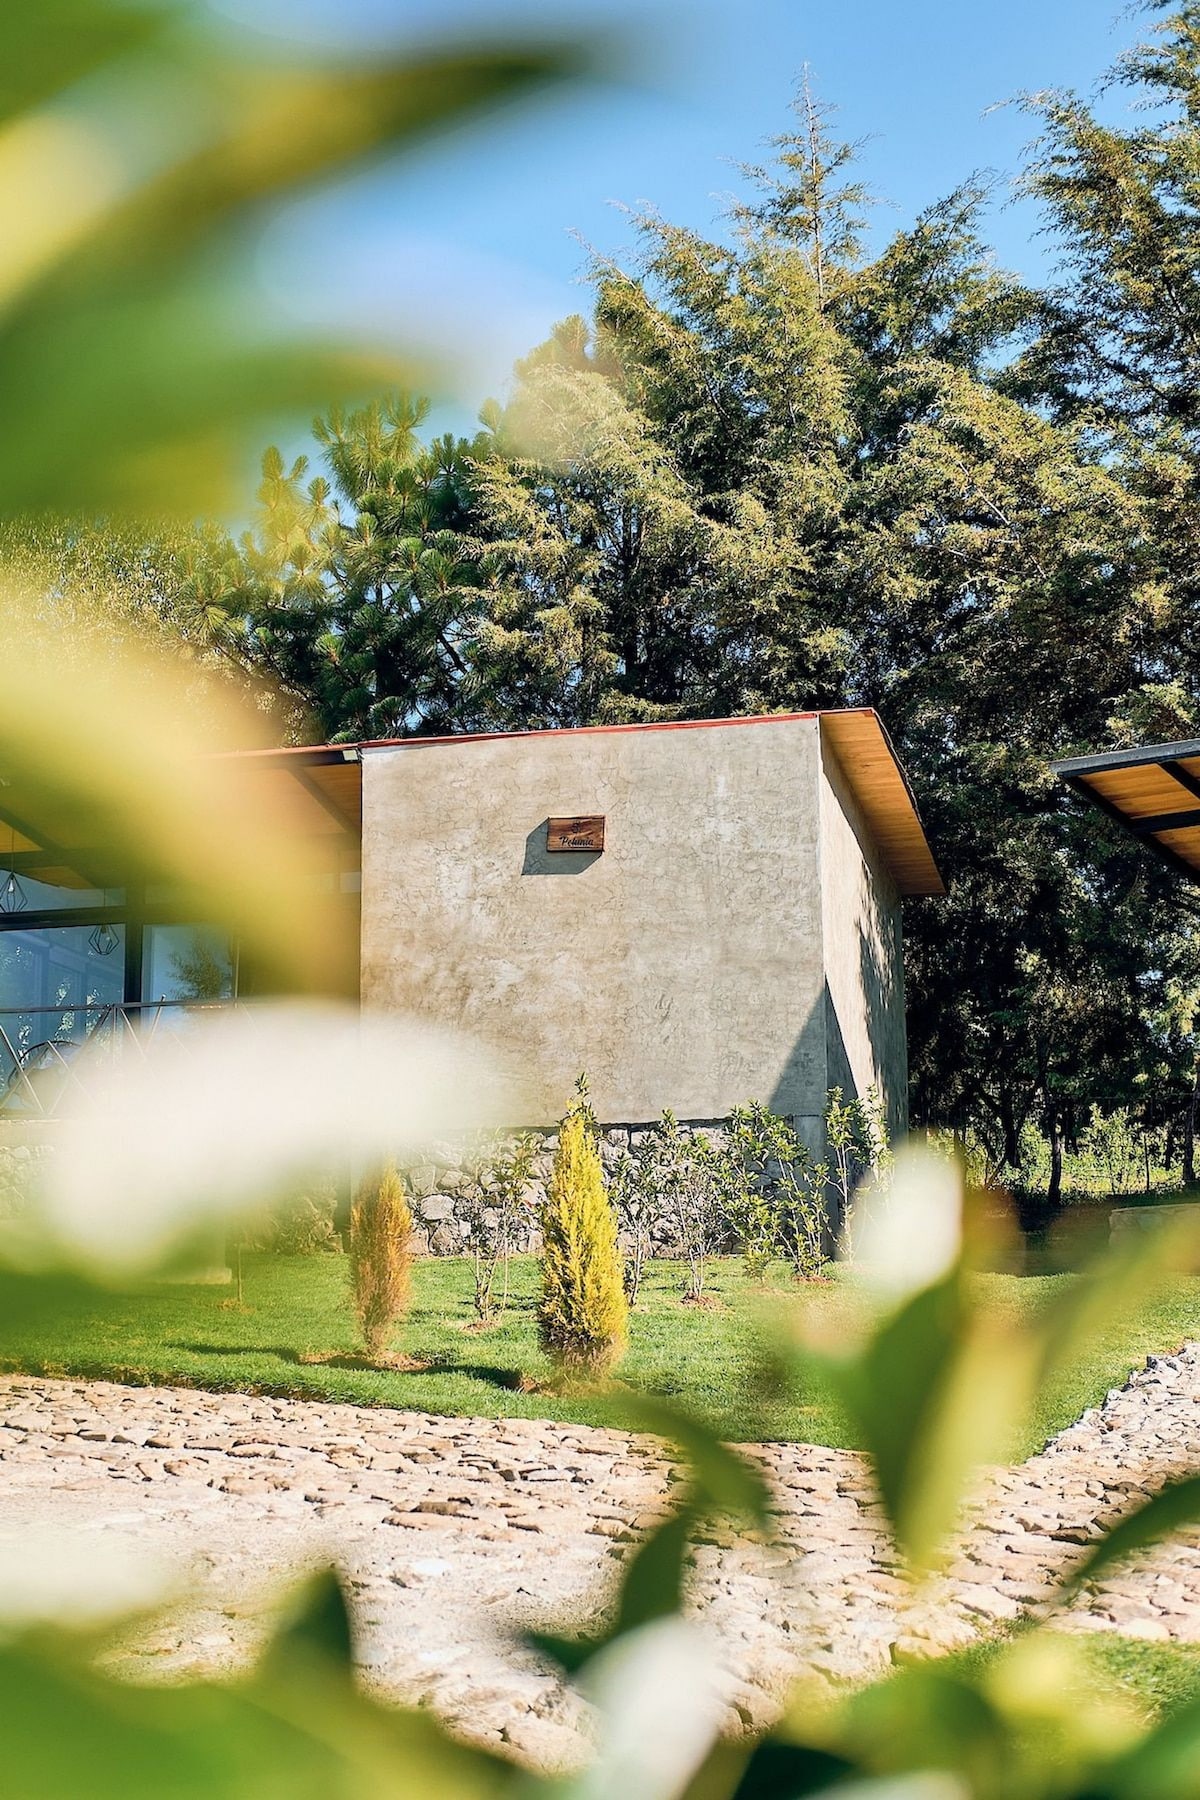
[
  {"x": 697, "y": 914},
  {"x": 738, "y": 936}
]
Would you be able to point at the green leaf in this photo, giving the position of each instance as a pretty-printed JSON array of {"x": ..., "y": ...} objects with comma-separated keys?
[
  {"x": 1173, "y": 1506},
  {"x": 653, "y": 1584},
  {"x": 129, "y": 372},
  {"x": 721, "y": 1477},
  {"x": 316, "y": 1624},
  {"x": 778, "y": 1771},
  {"x": 936, "y": 1392}
]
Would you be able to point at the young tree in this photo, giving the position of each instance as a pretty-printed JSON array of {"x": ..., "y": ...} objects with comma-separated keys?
[
  {"x": 583, "y": 1315},
  {"x": 380, "y": 1257}
]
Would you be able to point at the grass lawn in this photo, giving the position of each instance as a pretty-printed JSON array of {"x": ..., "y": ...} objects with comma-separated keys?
[
  {"x": 296, "y": 1307},
  {"x": 1159, "y": 1678}
]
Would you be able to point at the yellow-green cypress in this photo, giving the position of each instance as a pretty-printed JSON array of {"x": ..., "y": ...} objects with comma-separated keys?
[{"x": 583, "y": 1317}]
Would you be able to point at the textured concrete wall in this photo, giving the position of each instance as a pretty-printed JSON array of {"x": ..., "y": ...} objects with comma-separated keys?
[
  {"x": 864, "y": 970},
  {"x": 682, "y": 967}
]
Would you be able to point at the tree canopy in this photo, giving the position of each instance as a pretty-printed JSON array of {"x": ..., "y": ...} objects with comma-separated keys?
[{"x": 778, "y": 469}]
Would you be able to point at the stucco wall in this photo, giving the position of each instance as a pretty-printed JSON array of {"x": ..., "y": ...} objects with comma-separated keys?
[
  {"x": 682, "y": 967},
  {"x": 864, "y": 970}
]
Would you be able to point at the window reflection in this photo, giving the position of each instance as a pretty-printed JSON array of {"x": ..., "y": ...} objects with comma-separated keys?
[
  {"x": 187, "y": 962},
  {"x": 56, "y": 988}
]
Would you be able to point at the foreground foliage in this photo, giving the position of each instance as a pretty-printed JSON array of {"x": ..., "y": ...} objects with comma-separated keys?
[{"x": 1029, "y": 1719}]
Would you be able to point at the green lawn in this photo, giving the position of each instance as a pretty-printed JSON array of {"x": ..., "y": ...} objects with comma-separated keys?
[{"x": 297, "y": 1307}]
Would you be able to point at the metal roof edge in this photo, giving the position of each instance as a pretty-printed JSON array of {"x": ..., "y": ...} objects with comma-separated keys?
[{"x": 1140, "y": 756}]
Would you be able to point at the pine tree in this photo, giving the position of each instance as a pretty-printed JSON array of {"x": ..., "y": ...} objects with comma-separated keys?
[
  {"x": 380, "y": 1257},
  {"x": 583, "y": 1316}
]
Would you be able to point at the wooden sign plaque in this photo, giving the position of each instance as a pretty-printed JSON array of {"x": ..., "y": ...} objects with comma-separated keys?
[{"x": 584, "y": 832}]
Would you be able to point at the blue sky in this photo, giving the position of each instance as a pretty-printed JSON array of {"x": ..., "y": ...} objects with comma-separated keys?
[{"x": 471, "y": 247}]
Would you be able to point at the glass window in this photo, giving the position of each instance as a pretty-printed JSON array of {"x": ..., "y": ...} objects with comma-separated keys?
[
  {"x": 187, "y": 962},
  {"x": 57, "y": 987},
  {"x": 41, "y": 896}
]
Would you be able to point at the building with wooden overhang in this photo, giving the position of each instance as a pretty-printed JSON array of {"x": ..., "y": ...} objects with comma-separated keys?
[
  {"x": 1153, "y": 791},
  {"x": 697, "y": 914}
]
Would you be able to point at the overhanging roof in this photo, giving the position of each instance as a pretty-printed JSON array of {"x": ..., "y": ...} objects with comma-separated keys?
[
  {"x": 311, "y": 793},
  {"x": 1153, "y": 790},
  {"x": 880, "y": 785}
]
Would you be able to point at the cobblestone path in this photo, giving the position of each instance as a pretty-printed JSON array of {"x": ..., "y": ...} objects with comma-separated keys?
[{"x": 455, "y": 1534}]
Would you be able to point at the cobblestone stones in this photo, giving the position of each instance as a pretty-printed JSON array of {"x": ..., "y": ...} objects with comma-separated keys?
[{"x": 457, "y": 1535}]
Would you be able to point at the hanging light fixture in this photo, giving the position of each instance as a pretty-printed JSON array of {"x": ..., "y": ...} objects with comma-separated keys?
[
  {"x": 13, "y": 898},
  {"x": 103, "y": 939}
]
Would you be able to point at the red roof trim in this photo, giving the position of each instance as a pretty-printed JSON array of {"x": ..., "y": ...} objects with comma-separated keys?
[{"x": 487, "y": 737}]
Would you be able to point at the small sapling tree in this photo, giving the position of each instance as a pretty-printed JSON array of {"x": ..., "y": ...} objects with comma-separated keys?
[
  {"x": 692, "y": 1177},
  {"x": 857, "y": 1144},
  {"x": 779, "y": 1192},
  {"x": 583, "y": 1316},
  {"x": 635, "y": 1192},
  {"x": 380, "y": 1257},
  {"x": 495, "y": 1203}
]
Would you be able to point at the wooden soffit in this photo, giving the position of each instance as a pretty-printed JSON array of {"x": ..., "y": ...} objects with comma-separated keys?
[
  {"x": 1153, "y": 791},
  {"x": 877, "y": 779}
]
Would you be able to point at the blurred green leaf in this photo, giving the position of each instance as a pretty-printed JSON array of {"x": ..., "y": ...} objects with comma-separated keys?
[
  {"x": 50, "y": 46},
  {"x": 1162, "y": 1767},
  {"x": 1173, "y": 1506},
  {"x": 134, "y": 349},
  {"x": 722, "y": 1478},
  {"x": 936, "y": 1390},
  {"x": 316, "y": 1626},
  {"x": 777, "y": 1771},
  {"x": 653, "y": 1585}
]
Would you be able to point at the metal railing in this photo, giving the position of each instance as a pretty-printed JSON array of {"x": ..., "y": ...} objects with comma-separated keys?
[{"x": 36, "y": 1078}]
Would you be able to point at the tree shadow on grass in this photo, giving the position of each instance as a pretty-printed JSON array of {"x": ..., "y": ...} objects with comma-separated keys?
[
  {"x": 349, "y": 1359},
  {"x": 284, "y": 1352}
]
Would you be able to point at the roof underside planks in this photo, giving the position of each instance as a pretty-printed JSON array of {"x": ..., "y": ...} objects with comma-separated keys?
[
  {"x": 867, "y": 758},
  {"x": 313, "y": 794},
  {"x": 1153, "y": 791}
]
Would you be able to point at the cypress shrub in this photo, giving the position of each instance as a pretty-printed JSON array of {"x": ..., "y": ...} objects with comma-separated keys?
[
  {"x": 583, "y": 1317},
  {"x": 380, "y": 1256}
]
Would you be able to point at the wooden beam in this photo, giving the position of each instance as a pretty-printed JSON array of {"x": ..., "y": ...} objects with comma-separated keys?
[
  {"x": 1176, "y": 821},
  {"x": 1175, "y": 769},
  {"x": 1164, "y": 851}
]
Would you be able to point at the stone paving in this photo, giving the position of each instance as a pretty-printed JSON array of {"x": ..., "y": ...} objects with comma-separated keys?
[{"x": 455, "y": 1535}]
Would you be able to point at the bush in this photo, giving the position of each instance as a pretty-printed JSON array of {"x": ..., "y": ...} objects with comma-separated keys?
[
  {"x": 380, "y": 1256},
  {"x": 494, "y": 1206},
  {"x": 777, "y": 1193},
  {"x": 583, "y": 1316},
  {"x": 635, "y": 1193},
  {"x": 693, "y": 1180},
  {"x": 857, "y": 1145}
]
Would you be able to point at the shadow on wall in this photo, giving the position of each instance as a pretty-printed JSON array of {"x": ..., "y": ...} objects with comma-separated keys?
[
  {"x": 799, "y": 1093},
  {"x": 881, "y": 973},
  {"x": 540, "y": 861}
]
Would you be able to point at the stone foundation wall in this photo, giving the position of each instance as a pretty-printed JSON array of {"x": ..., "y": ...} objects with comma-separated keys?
[
  {"x": 442, "y": 1190},
  {"x": 24, "y": 1145},
  {"x": 442, "y": 1184}
]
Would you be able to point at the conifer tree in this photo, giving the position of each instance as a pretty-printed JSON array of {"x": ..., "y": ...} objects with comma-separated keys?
[
  {"x": 380, "y": 1256},
  {"x": 583, "y": 1315}
]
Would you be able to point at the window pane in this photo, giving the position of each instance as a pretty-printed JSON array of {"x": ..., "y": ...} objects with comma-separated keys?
[
  {"x": 186, "y": 962},
  {"x": 56, "y": 987},
  {"x": 42, "y": 896}
]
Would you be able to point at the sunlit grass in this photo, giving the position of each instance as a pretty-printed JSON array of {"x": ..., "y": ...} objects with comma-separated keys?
[{"x": 709, "y": 1358}]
